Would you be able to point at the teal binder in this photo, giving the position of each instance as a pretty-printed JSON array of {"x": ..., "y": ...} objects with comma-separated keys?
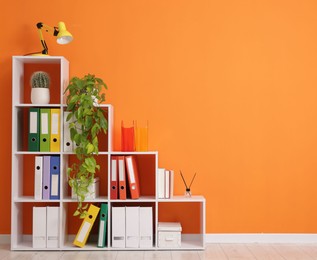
[
  {"x": 34, "y": 130},
  {"x": 45, "y": 129},
  {"x": 102, "y": 235}
]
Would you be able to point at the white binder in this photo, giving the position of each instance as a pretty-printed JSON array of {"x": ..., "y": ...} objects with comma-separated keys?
[
  {"x": 118, "y": 227},
  {"x": 161, "y": 183},
  {"x": 39, "y": 227},
  {"x": 67, "y": 142},
  {"x": 167, "y": 184},
  {"x": 52, "y": 234},
  {"x": 132, "y": 236},
  {"x": 146, "y": 227},
  {"x": 38, "y": 174}
]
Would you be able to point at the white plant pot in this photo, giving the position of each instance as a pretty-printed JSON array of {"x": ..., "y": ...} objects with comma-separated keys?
[{"x": 40, "y": 95}]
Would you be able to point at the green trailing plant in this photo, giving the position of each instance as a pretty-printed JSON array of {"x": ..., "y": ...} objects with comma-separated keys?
[
  {"x": 87, "y": 120},
  {"x": 40, "y": 79}
]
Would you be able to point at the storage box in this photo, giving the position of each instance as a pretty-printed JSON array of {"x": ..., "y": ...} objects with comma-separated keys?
[
  {"x": 169, "y": 234},
  {"x": 93, "y": 191}
]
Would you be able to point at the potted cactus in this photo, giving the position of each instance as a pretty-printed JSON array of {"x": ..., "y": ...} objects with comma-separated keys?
[{"x": 40, "y": 83}]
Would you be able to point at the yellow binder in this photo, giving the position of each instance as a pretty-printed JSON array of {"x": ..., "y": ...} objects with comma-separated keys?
[
  {"x": 55, "y": 130},
  {"x": 86, "y": 225}
]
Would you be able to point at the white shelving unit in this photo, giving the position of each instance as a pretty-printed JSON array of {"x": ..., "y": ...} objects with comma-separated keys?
[{"x": 23, "y": 172}]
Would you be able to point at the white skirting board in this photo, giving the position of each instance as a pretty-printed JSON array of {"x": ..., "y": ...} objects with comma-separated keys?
[
  {"x": 261, "y": 238},
  {"x": 239, "y": 238}
]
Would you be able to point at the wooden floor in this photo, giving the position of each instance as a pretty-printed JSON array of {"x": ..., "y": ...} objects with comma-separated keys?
[{"x": 212, "y": 251}]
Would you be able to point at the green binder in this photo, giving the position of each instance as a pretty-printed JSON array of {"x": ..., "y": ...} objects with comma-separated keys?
[
  {"x": 45, "y": 129},
  {"x": 102, "y": 235},
  {"x": 34, "y": 130}
]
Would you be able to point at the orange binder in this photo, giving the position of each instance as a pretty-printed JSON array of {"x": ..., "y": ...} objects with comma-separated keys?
[
  {"x": 114, "y": 178},
  {"x": 122, "y": 179},
  {"x": 133, "y": 176}
]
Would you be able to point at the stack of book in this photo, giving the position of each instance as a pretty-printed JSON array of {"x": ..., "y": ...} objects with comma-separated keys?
[{"x": 165, "y": 183}]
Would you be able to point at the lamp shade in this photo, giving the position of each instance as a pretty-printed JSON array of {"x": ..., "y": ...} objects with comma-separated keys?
[{"x": 63, "y": 36}]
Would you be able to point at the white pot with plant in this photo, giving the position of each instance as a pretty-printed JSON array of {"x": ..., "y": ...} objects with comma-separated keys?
[
  {"x": 87, "y": 120},
  {"x": 40, "y": 83}
]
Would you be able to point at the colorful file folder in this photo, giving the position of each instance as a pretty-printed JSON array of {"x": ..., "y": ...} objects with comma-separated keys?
[
  {"x": 38, "y": 174},
  {"x": 122, "y": 178},
  {"x": 133, "y": 176},
  {"x": 55, "y": 130},
  {"x": 55, "y": 175},
  {"x": 102, "y": 235},
  {"x": 45, "y": 123},
  {"x": 46, "y": 178},
  {"x": 114, "y": 178},
  {"x": 67, "y": 142},
  {"x": 34, "y": 129},
  {"x": 85, "y": 228}
]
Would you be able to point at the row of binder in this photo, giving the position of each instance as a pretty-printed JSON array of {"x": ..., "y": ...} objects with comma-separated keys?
[
  {"x": 44, "y": 129},
  {"x": 124, "y": 177},
  {"x": 45, "y": 230},
  {"x": 165, "y": 183},
  {"x": 88, "y": 222},
  {"x": 46, "y": 178},
  {"x": 132, "y": 227}
]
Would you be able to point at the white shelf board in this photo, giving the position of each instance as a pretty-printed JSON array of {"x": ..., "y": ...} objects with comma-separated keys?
[
  {"x": 141, "y": 199},
  {"x": 31, "y": 199},
  {"x": 96, "y": 200},
  {"x": 184, "y": 199}
]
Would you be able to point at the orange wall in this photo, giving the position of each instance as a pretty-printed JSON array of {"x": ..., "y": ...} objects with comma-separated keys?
[{"x": 229, "y": 89}]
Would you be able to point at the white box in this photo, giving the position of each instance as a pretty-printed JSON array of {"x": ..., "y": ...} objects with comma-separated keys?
[
  {"x": 169, "y": 234},
  {"x": 52, "y": 227},
  {"x": 93, "y": 191},
  {"x": 118, "y": 227},
  {"x": 39, "y": 227},
  {"x": 146, "y": 227},
  {"x": 132, "y": 229}
]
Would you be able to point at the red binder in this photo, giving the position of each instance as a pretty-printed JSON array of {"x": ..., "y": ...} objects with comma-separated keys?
[
  {"x": 114, "y": 178},
  {"x": 133, "y": 176},
  {"x": 122, "y": 178}
]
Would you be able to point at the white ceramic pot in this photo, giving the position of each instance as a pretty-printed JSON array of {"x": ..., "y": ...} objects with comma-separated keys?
[{"x": 40, "y": 95}]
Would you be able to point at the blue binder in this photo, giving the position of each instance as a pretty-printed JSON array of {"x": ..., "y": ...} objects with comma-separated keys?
[{"x": 55, "y": 178}]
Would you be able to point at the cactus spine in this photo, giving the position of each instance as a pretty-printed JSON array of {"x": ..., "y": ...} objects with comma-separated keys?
[{"x": 40, "y": 79}]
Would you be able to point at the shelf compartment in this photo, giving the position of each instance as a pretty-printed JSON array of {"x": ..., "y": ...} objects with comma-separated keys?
[
  {"x": 23, "y": 67},
  {"x": 21, "y": 226},
  {"x": 134, "y": 204},
  {"x": 71, "y": 225},
  {"x": 102, "y": 160},
  {"x": 191, "y": 214}
]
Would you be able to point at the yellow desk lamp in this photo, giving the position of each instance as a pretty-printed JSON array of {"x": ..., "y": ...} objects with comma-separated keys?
[{"x": 63, "y": 36}]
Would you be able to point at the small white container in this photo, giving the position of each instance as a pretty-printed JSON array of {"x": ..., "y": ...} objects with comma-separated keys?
[
  {"x": 169, "y": 234},
  {"x": 93, "y": 191}
]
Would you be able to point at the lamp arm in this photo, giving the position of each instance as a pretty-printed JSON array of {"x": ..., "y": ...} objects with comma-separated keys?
[{"x": 52, "y": 30}]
